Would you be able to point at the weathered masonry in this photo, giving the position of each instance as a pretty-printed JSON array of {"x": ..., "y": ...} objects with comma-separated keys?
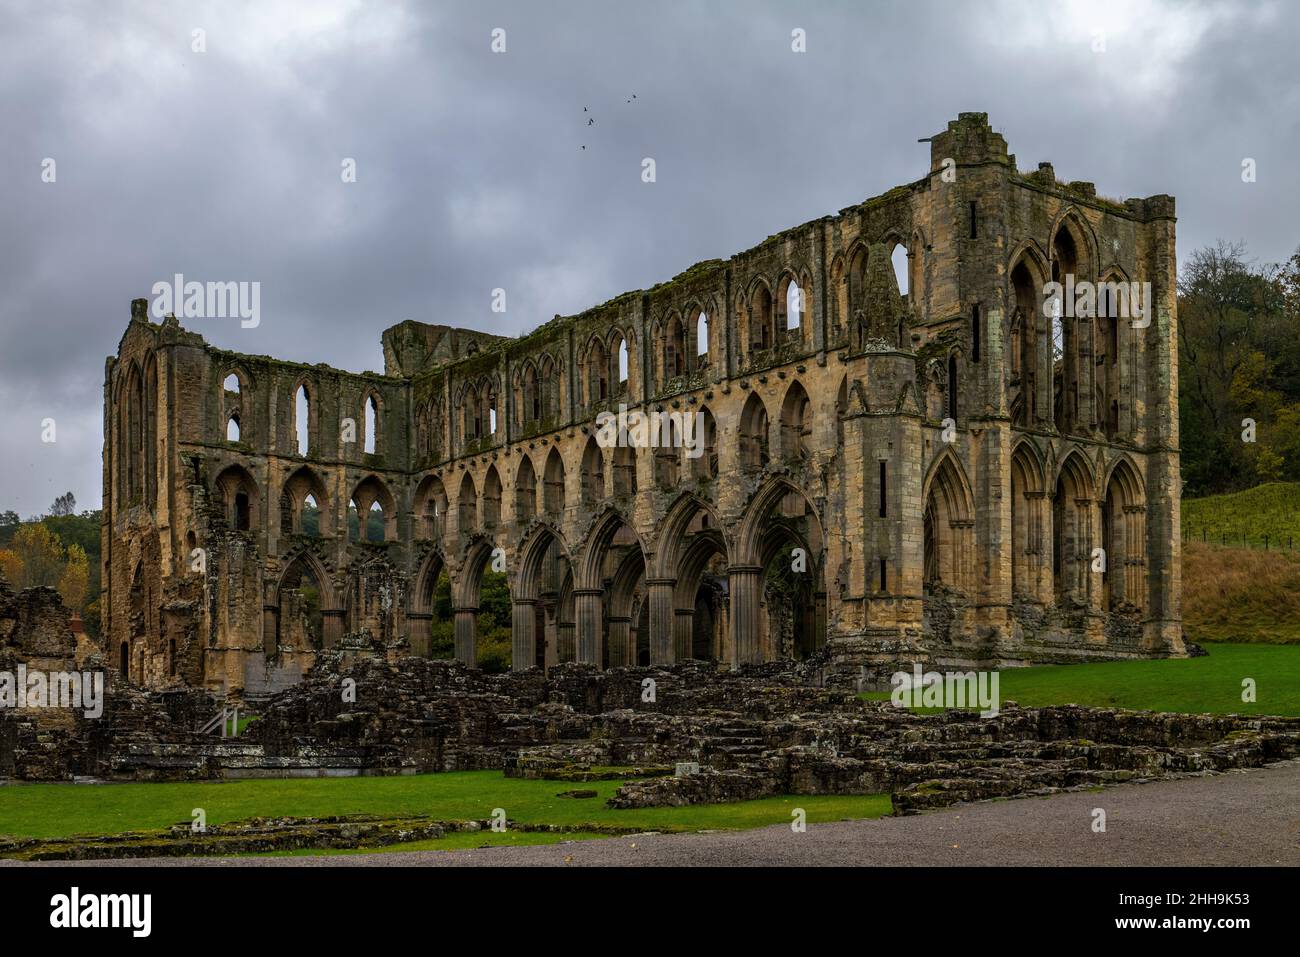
[{"x": 946, "y": 472}]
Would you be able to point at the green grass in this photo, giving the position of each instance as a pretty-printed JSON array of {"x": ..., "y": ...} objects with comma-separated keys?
[
  {"x": 457, "y": 841},
  {"x": 1270, "y": 511},
  {"x": 1209, "y": 684},
  {"x": 61, "y": 810}
]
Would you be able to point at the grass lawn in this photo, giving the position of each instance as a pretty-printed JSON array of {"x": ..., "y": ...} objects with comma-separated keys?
[
  {"x": 1210, "y": 684},
  {"x": 60, "y": 810}
]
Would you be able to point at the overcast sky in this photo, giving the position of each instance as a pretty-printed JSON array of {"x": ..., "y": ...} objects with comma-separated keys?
[{"x": 225, "y": 164}]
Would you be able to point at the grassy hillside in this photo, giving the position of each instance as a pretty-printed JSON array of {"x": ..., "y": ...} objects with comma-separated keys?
[
  {"x": 1270, "y": 511},
  {"x": 1243, "y": 593},
  {"x": 1240, "y": 594}
]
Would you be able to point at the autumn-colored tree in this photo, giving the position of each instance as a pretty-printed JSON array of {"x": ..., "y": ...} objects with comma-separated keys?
[
  {"x": 75, "y": 578},
  {"x": 11, "y": 567},
  {"x": 41, "y": 554}
]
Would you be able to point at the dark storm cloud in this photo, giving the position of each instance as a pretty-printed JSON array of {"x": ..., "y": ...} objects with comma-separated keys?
[{"x": 225, "y": 165}]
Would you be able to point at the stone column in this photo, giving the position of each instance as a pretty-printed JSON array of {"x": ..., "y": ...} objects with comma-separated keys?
[
  {"x": 586, "y": 607},
  {"x": 663, "y": 641},
  {"x": 684, "y": 633},
  {"x": 551, "y": 631},
  {"x": 270, "y": 628},
  {"x": 523, "y": 634},
  {"x": 332, "y": 625},
  {"x": 466, "y": 622},
  {"x": 1043, "y": 377},
  {"x": 745, "y": 584},
  {"x": 565, "y": 639},
  {"x": 418, "y": 624},
  {"x": 620, "y": 637},
  {"x": 1090, "y": 532}
]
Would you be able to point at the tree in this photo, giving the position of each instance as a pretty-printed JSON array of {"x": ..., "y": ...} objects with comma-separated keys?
[
  {"x": 75, "y": 580},
  {"x": 11, "y": 567},
  {"x": 9, "y": 522},
  {"x": 41, "y": 556},
  {"x": 1237, "y": 359},
  {"x": 65, "y": 504}
]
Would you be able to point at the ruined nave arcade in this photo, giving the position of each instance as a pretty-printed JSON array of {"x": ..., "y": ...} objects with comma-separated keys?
[{"x": 902, "y": 457}]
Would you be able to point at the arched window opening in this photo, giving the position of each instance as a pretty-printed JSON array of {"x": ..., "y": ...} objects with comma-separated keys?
[
  {"x": 622, "y": 364},
  {"x": 624, "y": 471},
  {"x": 1064, "y": 372},
  {"x": 491, "y": 498},
  {"x": 948, "y": 531},
  {"x": 309, "y": 516},
  {"x": 1024, "y": 345},
  {"x": 753, "y": 434},
  {"x": 706, "y": 436},
  {"x": 533, "y": 395},
  {"x": 231, "y": 383},
  {"x": 371, "y": 424},
  {"x": 793, "y": 307},
  {"x": 796, "y": 424},
  {"x": 593, "y": 472},
  {"x": 470, "y": 415},
  {"x": 667, "y": 455},
  {"x": 232, "y": 428},
  {"x": 549, "y": 391},
  {"x": 702, "y": 340},
  {"x": 597, "y": 373},
  {"x": 466, "y": 505},
  {"x": 553, "y": 495},
  {"x": 899, "y": 260},
  {"x": 675, "y": 349},
  {"x": 525, "y": 491},
  {"x": 760, "y": 319},
  {"x": 302, "y": 419}
]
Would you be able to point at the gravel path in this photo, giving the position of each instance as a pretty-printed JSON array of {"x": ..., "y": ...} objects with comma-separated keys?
[{"x": 1239, "y": 818}]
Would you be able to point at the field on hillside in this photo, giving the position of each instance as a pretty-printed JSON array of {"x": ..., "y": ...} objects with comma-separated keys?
[
  {"x": 1267, "y": 513},
  {"x": 1243, "y": 592},
  {"x": 1240, "y": 594}
]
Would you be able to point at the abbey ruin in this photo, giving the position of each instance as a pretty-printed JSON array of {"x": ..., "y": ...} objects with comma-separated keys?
[{"x": 949, "y": 473}]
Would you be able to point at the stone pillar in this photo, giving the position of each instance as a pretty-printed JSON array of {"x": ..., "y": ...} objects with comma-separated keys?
[
  {"x": 565, "y": 641},
  {"x": 1090, "y": 532},
  {"x": 620, "y": 638},
  {"x": 270, "y": 628},
  {"x": 586, "y": 607},
  {"x": 418, "y": 624},
  {"x": 1043, "y": 377},
  {"x": 744, "y": 586},
  {"x": 466, "y": 623},
  {"x": 551, "y": 631},
  {"x": 663, "y": 641},
  {"x": 523, "y": 634},
  {"x": 332, "y": 626},
  {"x": 684, "y": 634}
]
